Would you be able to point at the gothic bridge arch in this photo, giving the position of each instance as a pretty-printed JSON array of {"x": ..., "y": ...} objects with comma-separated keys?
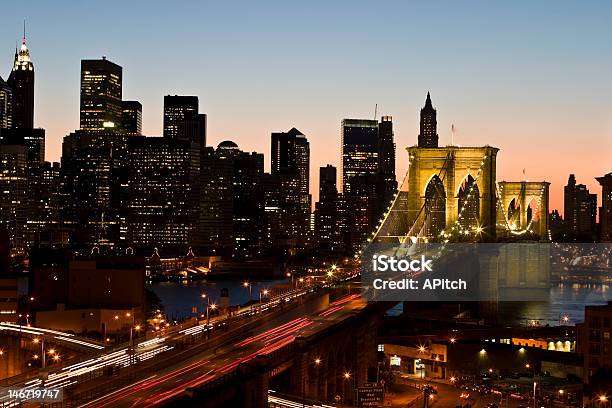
[
  {"x": 449, "y": 168},
  {"x": 527, "y": 197}
]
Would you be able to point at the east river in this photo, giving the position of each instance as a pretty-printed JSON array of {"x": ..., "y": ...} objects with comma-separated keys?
[{"x": 179, "y": 298}]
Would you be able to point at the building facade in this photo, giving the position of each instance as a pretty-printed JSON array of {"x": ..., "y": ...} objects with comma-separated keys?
[
  {"x": 101, "y": 91},
  {"x": 131, "y": 118},
  {"x": 6, "y": 105},
  {"x": 605, "y": 212},
  {"x": 182, "y": 120},
  {"x": 21, "y": 81},
  {"x": 428, "y": 136},
  {"x": 288, "y": 190},
  {"x": 162, "y": 205},
  {"x": 580, "y": 210}
]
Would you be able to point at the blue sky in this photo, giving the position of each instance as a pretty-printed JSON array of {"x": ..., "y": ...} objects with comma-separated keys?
[{"x": 532, "y": 78}]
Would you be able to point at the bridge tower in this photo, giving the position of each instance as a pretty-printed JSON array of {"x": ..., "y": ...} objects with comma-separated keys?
[
  {"x": 452, "y": 188},
  {"x": 523, "y": 208}
]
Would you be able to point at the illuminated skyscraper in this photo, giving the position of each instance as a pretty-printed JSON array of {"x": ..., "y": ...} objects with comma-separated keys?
[
  {"x": 21, "y": 81},
  {"x": 13, "y": 195},
  {"x": 580, "y": 210},
  {"x": 182, "y": 120},
  {"x": 6, "y": 105},
  {"x": 232, "y": 201},
  {"x": 162, "y": 199},
  {"x": 288, "y": 187},
  {"x": 131, "y": 118},
  {"x": 326, "y": 211},
  {"x": 100, "y": 95},
  {"x": 360, "y": 164},
  {"x": 291, "y": 155},
  {"x": 94, "y": 180},
  {"x": 387, "y": 183},
  {"x": 359, "y": 150},
  {"x": 429, "y": 125}
]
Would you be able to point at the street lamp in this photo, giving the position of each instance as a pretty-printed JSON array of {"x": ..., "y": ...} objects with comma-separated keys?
[
  {"x": 247, "y": 284},
  {"x": 204, "y": 296},
  {"x": 535, "y": 384},
  {"x": 263, "y": 292},
  {"x": 316, "y": 362},
  {"x": 42, "y": 350}
]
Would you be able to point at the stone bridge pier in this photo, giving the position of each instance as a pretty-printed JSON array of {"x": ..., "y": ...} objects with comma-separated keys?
[
  {"x": 330, "y": 365},
  {"x": 327, "y": 362}
]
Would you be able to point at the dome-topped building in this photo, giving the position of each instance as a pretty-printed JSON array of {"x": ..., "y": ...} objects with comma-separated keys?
[{"x": 227, "y": 145}]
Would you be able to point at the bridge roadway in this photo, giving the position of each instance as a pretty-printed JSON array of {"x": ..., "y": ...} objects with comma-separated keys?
[
  {"x": 154, "y": 388},
  {"x": 67, "y": 340}
]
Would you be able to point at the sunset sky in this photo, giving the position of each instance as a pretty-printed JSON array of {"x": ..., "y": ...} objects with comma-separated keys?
[{"x": 532, "y": 78}]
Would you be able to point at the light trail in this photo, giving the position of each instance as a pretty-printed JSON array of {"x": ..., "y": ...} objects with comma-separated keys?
[{"x": 149, "y": 383}]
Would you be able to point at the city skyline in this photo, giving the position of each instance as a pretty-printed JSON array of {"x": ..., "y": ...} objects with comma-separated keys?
[{"x": 560, "y": 109}]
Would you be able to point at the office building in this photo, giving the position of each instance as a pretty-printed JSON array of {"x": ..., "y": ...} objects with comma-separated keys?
[
  {"x": 594, "y": 340},
  {"x": 580, "y": 210},
  {"x": 95, "y": 187},
  {"x": 605, "y": 212},
  {"x": 14, "y": 196},
  {"x": 232, "y": 201},
  {"x": 101, "y": 90},
  {"x": 182, "y": 120},
  {"x": 162, "y": 200},
  {"x": 360, "y": 170},
  {"x": 289, "y": 181},
  {"x": 131, "y": 118},
  {"x": 428, "y": 136},
  {"x": 6, "y": 105},
  {"x": 359, "y": 150},
  {"x": 21, "y": 81},
  {"x": 326, "y": 212},
  {"x": 386, "y": 183}
]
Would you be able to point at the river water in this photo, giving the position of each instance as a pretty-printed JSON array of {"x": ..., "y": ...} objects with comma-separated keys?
[
  {"x": 564, "y": 300},
  {"x": 179, "y": 298}
]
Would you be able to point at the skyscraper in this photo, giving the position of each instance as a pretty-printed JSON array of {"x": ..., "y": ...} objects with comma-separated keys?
[
  {"x": 580, "y": 210},
  {"x": 359, "y": 150},
  {"x": 232, "y": 201},
  {"x": 182, "y": 120},
  {"x": 326, "y": 213},
  {"x": 94, "y": 180},
  {"x": 160, "y": 209},
  {"x": 387, "y": 183},
  {"x": 605, "y": 212},
  {"x": 131, "y": 117},
  {"x": 289, "y": 184},
  {"x": 360, "y": 164},
  {"x": 101, "y": 88},
  {"x": 13, "y": 195},
  {"x": 6, "y": 105},
  {"x": 21, "y": 80},
  {"x": 291, "y": 155},
  {"x": 428, "y": 137}
]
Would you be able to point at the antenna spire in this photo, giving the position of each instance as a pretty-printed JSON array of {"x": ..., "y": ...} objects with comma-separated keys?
[
  {"x": 453, "y": 134},
  {"x": 375, "y": 110},
  {"x": 24, "y": 31}
]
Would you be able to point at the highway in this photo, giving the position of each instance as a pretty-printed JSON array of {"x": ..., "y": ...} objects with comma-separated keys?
[
  {"x": 182, "y": 356},
  {"x": 175, "y": 379}
]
